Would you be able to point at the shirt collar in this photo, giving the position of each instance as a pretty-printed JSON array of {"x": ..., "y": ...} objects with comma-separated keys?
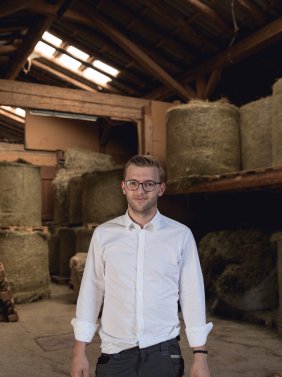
[{"x": 154, "y": 224}]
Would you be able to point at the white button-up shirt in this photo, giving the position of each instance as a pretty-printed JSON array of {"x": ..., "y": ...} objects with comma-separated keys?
[{"x": 139, "y": 274}]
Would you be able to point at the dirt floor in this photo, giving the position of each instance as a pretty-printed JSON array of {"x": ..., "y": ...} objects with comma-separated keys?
[{"x": 39, "y": 344}]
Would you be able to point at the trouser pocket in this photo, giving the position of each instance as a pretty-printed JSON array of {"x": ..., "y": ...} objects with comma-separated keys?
[{"x": 102, "y": 365}]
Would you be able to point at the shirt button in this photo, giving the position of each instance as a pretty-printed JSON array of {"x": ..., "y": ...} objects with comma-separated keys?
[{"x": 139, "y": 293}]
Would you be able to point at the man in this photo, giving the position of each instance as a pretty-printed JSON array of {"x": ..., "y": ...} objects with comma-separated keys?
[{"x": 139, "y": 266}]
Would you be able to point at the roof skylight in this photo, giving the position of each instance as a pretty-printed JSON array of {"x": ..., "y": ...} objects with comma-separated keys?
[
  {"x": 74, "y": 59},
  {"x": 52, "y": 39},
  {"x": 106, "y": 68},
  {"x": 68, "y": 62},
  {"x": 44, "y": 49},
  {"x": 77, "y": 53},
  {"x": 93, "y": 75}
]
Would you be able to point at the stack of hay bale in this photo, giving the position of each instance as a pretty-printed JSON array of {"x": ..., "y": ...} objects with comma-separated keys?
[
  {"x": 215, "y": 138},
  {"x": 23, "y": 241},
  {"x": 88, "y": 193},
  {"x": 240, "y": 271}
]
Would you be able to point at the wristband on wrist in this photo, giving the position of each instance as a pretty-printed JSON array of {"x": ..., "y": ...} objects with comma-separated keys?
[{"x": 200, "y": 351}]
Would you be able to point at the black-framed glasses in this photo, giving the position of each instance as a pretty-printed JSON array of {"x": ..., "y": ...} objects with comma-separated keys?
[{"x": 148, "y": 186}]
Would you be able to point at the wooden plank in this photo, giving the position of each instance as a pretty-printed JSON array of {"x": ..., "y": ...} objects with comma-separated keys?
[
  {"x": 45, "y": 97},
  {"x": 238, "y": 181},
  {"x": 13, "y": 152},
  {"x": 63, "y": 76}
]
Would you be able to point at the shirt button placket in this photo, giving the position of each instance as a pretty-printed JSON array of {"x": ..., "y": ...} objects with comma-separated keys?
[{"x": 139, "y": 284}]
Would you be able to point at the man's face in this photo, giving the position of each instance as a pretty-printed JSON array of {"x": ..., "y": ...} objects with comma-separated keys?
[{"x": 141, "y": 201}]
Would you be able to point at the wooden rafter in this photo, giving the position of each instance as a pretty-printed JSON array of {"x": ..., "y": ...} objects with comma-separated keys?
[
  {"x": 211, "y": 14},
  {"x": 62, "y": 76},
  {"x": 179, "y": 24},
  {"x": 9, "y": 7},
  {"x": 247, "y": 47},
  {"x": 137, "y": 54},
  {"x": 253, "y": 11},
  {"x": 30, "y": 41}
]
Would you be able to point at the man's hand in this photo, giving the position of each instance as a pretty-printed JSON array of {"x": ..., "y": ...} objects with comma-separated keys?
[
  {"x": 79, "y": 364},
  {"x": 199, "y": 366}
]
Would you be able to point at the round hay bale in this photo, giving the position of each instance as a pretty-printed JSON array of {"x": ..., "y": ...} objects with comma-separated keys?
[
  {"x": 277, "y": 124},
  {"x": 87, "y": 160},
  {"x": 75, "y": 200},
  {"x": 256, "y": 134},
  {"x": 240, "y": 270},
  {"x": 83, "y": 238},
  {"x": 20, "y": 194},
  {"x": 66, "y": 250},
  {"x": 61, "y": 184},
  {"x": 202, "y": 138},
  {"x": 25, "y": 256},
  {"x": 102, "y": 197}
]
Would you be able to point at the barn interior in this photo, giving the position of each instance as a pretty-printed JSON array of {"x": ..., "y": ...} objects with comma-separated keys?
[{"x": 84, "y": 85}]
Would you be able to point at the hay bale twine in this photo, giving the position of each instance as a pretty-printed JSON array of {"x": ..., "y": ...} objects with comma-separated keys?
[
  {"x": 102, "y": 197},
  {"x": 66, "y": 250},
  {"x": 277, "y": 124},
  {"x": 75, "y": 200},
  {"x": 239, "y": 270},
  {"x": 202, "y": 139},
  {"x": 20, "y": 194},
  {"x": 256, "y": 134},
  {"x": 25, "y": 256},
  {"x": 83, "y": 238}
]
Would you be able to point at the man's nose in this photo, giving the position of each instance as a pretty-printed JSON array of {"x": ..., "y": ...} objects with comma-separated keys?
[{"x": 140, "y": 188}]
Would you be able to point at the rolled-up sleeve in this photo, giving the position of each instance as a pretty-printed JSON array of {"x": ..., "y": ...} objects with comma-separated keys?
[
  {"x": 91, "y": 294},
  {"x": 192, "y": 295}
]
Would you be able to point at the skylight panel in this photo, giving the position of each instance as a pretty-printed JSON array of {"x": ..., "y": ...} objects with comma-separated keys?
[
  {"x": 77, "y": 53},
  {"x": 44, "y": 49},
  {"x": 97, "y": 77},
  {"x": 68, "y": 62},
  {"x": 106, "y": 68},
  {"x": 14, "y": 110},
  {"x": 52, "y": 39},
  {"x": 20, "y": 112}
]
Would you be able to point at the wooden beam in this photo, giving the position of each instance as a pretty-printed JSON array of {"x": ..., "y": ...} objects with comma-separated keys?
[
  {"x": 253, "y": 10},
  {"x": 6, "y": 49},
  {"x": 137, "y": 53},
  {"x": 36, "y": 96},
  {"x": 211, "y": 14},
  {"x": 9, "y": 7},
  {"x": 238, "y": 181},
  {"x": 178, "y": 23},
  {"x": 269, "y": 34},
  {"x": 62, "y": 76},
  {"x": 29, "y": 42},
  {"x": 212, "y": 81}
]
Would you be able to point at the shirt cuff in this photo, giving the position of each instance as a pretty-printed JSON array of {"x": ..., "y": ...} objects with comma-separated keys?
[
  {"x": 83, "y": 331},
  {"x": 197, "y": 336}
]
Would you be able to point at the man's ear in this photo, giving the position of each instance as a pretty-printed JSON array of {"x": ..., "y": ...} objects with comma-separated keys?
[
  {"x": 123, "y": 187},
  {"x": 162, "y": 189}
]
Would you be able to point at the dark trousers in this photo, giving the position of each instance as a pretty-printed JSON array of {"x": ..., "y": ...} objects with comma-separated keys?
[{"x": 160, "y": 360}]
